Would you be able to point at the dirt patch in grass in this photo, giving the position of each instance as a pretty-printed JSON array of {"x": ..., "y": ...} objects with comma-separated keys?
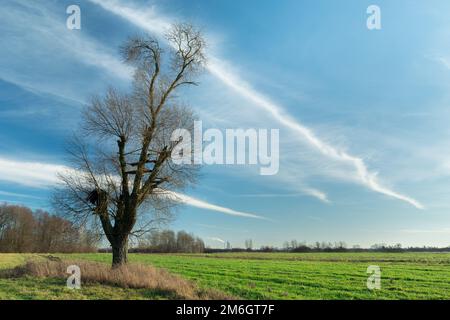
[{"x": 134, "y": 276}]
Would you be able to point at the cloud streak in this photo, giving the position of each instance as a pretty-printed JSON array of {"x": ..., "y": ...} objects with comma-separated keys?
[
  {"x": 41, "y": 175},
  {"x": 18, "y": 195},
  {"x": 217, "y": 239},
  {"x": 30, "y": 174},
  {"x": 39, "y": 28},
  {"x": 182, "y": 198},
  {"x": 151, "y": 22}
]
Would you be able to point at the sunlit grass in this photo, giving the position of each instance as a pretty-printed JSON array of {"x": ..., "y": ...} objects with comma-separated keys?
[{"x": 289, "y": 275}]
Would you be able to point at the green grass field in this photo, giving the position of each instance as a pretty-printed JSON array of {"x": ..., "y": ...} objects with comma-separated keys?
[{"x": 263, "y": 276}]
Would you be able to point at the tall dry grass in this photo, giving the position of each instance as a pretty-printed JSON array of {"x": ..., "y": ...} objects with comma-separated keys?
[{"x": 135, "y": 276}]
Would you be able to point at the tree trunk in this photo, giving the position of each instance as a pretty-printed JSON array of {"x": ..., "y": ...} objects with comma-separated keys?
[{"x": 120, "y": 253}]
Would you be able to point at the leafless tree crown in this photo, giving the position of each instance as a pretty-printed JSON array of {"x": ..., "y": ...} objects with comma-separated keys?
[{"x": 121, "y": 155}]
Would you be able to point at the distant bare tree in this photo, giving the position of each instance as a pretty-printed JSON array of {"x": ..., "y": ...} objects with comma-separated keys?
[
  {"x": 249, "y": 244},
  {"x": 294, "y": 244},
  {"x": 5, "y": 218},
  {"x": 17, "y": 229},
  {"x": 122, "y": 156}
]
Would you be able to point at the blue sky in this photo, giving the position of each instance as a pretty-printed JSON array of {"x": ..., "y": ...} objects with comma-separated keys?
[{"x": 363, "y": 115}]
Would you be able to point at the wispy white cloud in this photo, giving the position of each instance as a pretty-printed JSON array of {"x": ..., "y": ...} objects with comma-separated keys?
[
  {"x": 146, "y": 18},
  {"x": 305, "y": 190},
  {"x": 444, "y": 61},
  {"x": 39, "y": 34},
  {"x": 31, "y": 174},
  {"x": 208, "y": 206},
  {"x": 322, "y": 196},
  {"x": 217, "y": 239},
  {"x": 91, "y": 53},
  {"x": 18, "y": 195},
  {"x": 42, "y": 175},
  {"x": 363, "y": 175},
  {"x": 154, "y": 23}
]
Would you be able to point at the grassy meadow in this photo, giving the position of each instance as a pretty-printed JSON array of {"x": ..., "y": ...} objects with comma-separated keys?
[{"x": 255, "y": 276}]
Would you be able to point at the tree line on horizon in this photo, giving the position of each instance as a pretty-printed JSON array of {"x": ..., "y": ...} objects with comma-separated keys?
[
  {"x": 25, "y": 231},
  {"x": 339, "y": 246},
  {"x": 168, "y": 241}
]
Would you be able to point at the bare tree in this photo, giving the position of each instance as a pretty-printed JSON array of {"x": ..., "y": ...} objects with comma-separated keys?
[
  {"x": 249, "y": 244},
  {"x": 5, "y": 219},
  {"x": 123, "y": 173}
]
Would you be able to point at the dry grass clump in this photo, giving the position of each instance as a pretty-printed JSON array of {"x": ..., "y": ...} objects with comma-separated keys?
[{"x": 135, "y": 276}]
